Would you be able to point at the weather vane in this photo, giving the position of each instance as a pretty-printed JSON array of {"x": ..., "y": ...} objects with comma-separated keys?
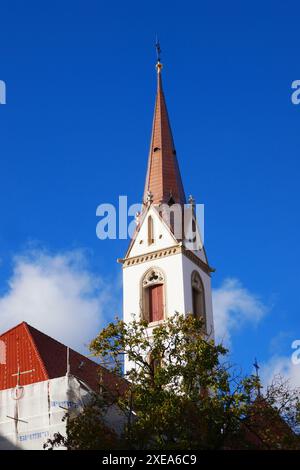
[{"x": 158, "y": 49}]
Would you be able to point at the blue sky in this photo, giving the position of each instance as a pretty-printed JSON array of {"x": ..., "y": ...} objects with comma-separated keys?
[{"x": 76, "y": 128}]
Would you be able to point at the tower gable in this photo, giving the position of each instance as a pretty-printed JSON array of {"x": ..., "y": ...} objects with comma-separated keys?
[{"x": 161, "y": 238}]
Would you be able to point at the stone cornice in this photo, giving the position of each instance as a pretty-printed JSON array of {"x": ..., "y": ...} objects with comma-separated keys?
[
  {"x": 163, "y": 253},
  {"x": 191, "y": 255}
]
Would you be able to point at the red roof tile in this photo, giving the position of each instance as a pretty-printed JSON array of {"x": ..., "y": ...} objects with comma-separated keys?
[{"x": 31, "y": 350}]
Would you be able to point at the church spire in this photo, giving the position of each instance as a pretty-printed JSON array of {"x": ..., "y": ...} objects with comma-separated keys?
[{"x": 163, "y": 178}]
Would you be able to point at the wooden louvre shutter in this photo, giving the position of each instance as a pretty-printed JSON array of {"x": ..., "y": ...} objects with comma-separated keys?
[{"x": 156, "y": 308}]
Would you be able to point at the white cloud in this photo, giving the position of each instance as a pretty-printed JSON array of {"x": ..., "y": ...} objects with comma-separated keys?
[
  {"x": 57, "y": 294},
  {"x": 281, "y": 366},
  {"x": 234, "y": 306}
]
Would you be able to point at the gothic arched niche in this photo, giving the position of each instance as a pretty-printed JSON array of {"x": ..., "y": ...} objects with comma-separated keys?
[
  {"x": 198, "y": 297},
  {"x": 153, "y": 308}
]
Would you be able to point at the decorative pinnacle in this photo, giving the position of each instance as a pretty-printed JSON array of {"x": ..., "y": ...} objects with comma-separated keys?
[
  {"x": 137, "y": 218},
  {"x": 149, "y": 198},
  {"x": 192, "y": 201}
]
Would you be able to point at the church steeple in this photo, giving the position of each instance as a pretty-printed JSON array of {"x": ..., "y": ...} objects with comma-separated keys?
[
  {"x": 164, "y": 271},
  {"x": 163, "y": 178}
]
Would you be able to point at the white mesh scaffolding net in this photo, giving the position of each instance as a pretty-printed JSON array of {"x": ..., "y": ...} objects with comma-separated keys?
[{"x": 32, "y": 414}]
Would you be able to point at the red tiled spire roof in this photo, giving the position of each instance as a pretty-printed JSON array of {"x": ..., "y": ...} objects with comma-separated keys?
[
  {"x": 163, "y": 178},
  {"x": 31, "y": 350}
]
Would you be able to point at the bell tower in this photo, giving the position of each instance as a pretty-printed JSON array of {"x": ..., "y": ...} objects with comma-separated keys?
[{"x": 162, "y": 274}]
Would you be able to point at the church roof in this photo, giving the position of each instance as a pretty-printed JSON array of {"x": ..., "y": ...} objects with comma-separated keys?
[
  {"x": 163, "y": 178},
  {"x": 29, "y": 349}
]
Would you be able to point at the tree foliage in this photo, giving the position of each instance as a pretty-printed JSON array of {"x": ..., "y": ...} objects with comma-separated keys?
[{"x": 183, "y": 394}]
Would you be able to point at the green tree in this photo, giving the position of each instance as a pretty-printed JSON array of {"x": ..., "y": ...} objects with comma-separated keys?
[{"x": 184, "y": 395}]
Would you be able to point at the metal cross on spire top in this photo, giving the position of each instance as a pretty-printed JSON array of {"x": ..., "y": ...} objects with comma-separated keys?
[
  {"x": 256, "y": 367},
  {"x": 158, "y": 49}
]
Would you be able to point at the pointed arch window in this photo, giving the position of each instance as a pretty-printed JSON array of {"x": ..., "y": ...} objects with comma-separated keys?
[
  {"x": 150, "y": 230},
  {"x": 198, "y": 297},
  {"x": 153, "y": 296}
]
